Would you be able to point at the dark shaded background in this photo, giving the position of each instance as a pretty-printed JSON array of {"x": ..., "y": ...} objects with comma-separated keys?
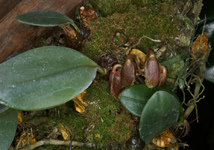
[{"x": 201, "y": 135}]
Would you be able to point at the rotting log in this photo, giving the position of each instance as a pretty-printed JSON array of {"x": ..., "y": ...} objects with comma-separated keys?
[{"x": 16, "y": 37}]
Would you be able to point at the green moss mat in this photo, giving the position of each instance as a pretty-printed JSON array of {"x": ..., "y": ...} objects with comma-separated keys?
[
  {"x": 107, "y": 117},
  {"x": 157, "y": 22}
]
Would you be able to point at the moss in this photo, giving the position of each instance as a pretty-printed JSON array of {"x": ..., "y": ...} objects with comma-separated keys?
[
  {"x": 108, "y": 7},
  {"x": 123, "y": 127},
  {"x": 106, "y": 121},
  {"x": 154, "y": 22},
  {"x": 75, "y": 122},
  {"x": 148, "y": 2},
  {"x": 109, "y": 121},
  {"x": 72, "y": 120}
]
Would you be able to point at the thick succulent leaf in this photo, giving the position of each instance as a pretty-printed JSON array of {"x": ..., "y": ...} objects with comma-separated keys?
[
  {"x": 44, "y": 18},
  {"x": 44, "y": 77},
  {"x": 8, "y": 124},
  {"x": 160, "y": 113},
  {"x": 3, "y": 108},
  {"x": 135, "y": 97}
]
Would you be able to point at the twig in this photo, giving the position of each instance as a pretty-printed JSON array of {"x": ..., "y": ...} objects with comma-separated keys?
[
  {"x": 58, "y": 142},
  {"x": 20, "y": 140}
]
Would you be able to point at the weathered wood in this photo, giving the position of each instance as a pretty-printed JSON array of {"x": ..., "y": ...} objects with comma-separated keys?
[
  {"x": 6, "y": 6},
  {"x": 16, "y": 36}
]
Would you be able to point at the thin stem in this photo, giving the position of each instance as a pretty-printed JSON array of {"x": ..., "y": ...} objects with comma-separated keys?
[
  {"x": 181, "y": 117},
  {"x": 158, "y": 41},
  {"x": 188, "y": 111},
  {"x": 197, "y": 89},
  {"x": 195, "y": 96},
  {"x": 184, "y": 99},
  {"x": 74, "y": 25}
]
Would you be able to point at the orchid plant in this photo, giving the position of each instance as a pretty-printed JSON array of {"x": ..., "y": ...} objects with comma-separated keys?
[{"x": 49, "y": 76}]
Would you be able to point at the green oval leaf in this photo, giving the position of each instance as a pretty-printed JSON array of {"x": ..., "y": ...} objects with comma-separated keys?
[
  {"x": 44, "y": 77},
  {"x": 8, "y": 124},
  {"x": 44, "y": 18},
  {"x": 135, "y": 97},
  {"x": 160, "y": 113}
]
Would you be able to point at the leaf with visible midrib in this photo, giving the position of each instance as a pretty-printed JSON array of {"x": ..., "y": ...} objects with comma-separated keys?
[
  {"x": 159, "y": 114},
  {"x": 44, "y": 18},
  {"x": 47, "y": 18},
  {"x": 8, "y": 124},
  {"x": 44, "y": 77}
]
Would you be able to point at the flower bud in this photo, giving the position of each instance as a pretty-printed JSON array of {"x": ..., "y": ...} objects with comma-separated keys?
[
  {"x": 152, "y": 70},
  {"x": 128, "y": 73},
  {"x": 163, "y": 75},
  {"x": 115, "y": 81}
]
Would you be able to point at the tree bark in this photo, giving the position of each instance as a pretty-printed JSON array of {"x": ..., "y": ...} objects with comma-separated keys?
[{"x": 16, "y": 37}]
